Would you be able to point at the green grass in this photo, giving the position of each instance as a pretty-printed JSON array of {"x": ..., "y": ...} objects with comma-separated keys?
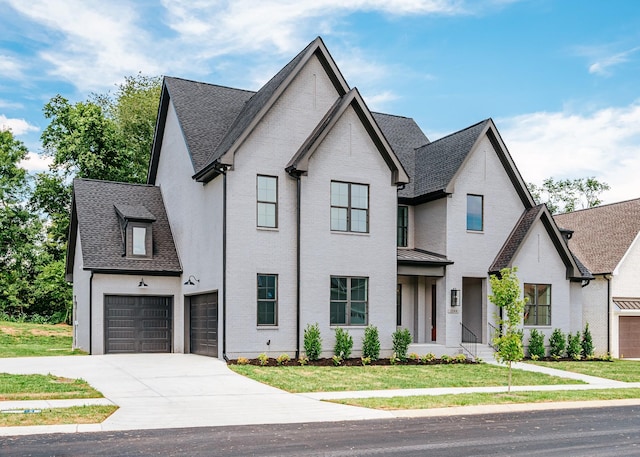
[
  {"x": 39, "y": 387},
  {"x": 443, "y": 401},
  {"x": 72, "y": 415},
  {"x": 619, "y": 370},
  {"x": 331, "y": 379},
  {"x": 30, "y": 340}
]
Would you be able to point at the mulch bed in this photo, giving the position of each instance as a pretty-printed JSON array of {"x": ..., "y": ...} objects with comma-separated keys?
[{"x": 352, "y": 362}]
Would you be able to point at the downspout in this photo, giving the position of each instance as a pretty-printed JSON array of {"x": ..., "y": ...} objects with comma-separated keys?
[
  {"x": 223, "y": 170},
  {"x": 608, "y": 278},
  {"x": 295, "y": 174},
  {"x": 91, "y": 313}
]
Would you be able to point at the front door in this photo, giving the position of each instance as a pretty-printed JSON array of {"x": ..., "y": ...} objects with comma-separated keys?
[{"x": 472, "y": 309}]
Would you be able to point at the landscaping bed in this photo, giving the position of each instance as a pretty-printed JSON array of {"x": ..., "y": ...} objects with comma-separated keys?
[{"x": 351, "y": 362}]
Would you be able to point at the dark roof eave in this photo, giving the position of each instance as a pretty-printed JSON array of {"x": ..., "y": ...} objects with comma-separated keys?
[
  {"x": 208, "y": 173},
  {"x": 433, "y": 263},
  {"x": 431, "y": 196},
  {"x": 115, "y": 271}
]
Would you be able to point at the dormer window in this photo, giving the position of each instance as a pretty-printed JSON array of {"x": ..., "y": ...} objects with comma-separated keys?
[{"x": 136, "y": 231}]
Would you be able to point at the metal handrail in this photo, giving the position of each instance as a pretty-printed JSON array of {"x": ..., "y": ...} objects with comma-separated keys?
[
  {"x": 493, "y": 332},
  {"x": 469, "y": 341}
]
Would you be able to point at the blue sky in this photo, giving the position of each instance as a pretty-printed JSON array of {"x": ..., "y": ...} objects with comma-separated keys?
[{"x": 559, "y": 77}]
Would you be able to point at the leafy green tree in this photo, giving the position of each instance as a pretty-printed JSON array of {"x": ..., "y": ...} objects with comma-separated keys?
[
  {"x": 507, "y": 295},
  {"x": 567, "y": 195},
  {"x": 587, "y": 343}
]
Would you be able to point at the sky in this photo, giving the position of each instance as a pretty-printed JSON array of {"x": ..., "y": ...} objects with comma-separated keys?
[{"x": 560, "y": 78}]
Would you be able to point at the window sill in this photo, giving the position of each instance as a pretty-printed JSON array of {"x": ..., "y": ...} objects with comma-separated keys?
[
  {"x": 479, "y": 232},
  {"x": 267, "y": 327},
  {"x": 341, "y": 232},
  {"x": 334, "y": 326},
  {"x": 268, "y": 229}
]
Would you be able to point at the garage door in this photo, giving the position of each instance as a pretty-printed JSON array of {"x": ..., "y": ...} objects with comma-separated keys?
[
  {"x": 137, "y": 324},
  {"x": 204, "y": 324},
  {"x": 629, "y": 336}
]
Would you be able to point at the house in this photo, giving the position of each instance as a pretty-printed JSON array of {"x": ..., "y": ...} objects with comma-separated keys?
[
  {"x": 607, "y": 239},
  {"x": 267, "y": 211}
]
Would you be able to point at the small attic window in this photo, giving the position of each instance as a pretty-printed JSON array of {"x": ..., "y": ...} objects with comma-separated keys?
[{"x": 136, "y": 230}]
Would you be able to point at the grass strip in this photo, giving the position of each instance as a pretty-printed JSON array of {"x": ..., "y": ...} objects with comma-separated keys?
[
  {"x": 450, "y": 400},
  {"x": 618, "y": 370},
  {"x": 93, "y": 414},
  {"x": 332, "y": 379},
  {"x": 19, "y": 339},
  {"x": 43, "y": 387}
]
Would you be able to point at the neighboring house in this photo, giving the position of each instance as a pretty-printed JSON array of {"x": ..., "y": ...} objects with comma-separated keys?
[
  {"x": 295, "y": 205},
  {"x": 607, "y": 240}
]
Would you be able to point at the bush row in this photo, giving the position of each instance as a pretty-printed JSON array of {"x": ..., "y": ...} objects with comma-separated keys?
[{"x": 574, "y": 346}]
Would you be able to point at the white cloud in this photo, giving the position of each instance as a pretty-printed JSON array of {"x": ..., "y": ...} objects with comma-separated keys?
[
  {"x": 10, "y": 67},
  {"x": 604, "y": 144},
  {"x": 99, "y": 44},
  {"x": 17, "y": 126},
  {"x": 35, "y": 162},
  {"x": 604, "y": 63}
]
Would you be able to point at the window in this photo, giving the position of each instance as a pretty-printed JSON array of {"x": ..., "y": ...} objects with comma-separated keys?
[
  {"x": 537, "y": 310},
  {"x": 267, "y": 299},
  {"x": 475, "y": 213},
  {"x": 267, "y": 190},
  {"x": 348, "y": 301},
  {"x": 403, "y": 226},
  {"x": 139, "y": 241},
  {"x": 399, "y": 305},
  {"x": 349, "y": 207}
]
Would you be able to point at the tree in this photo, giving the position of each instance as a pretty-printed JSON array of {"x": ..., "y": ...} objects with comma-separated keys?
[
  {"x": 507, "y": 295},
  {"x": 567, "y": 195}
]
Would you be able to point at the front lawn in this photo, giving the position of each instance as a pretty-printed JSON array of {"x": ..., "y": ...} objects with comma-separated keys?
[
  {"x": 619, "y": 370},
  {"x": 43, "y": 387},
  {"x": 93, "y": 414},
  {"x": 443, "y": 401},
  {"x": 31, "y": 340},
  {"x": 331, "y": 379}
]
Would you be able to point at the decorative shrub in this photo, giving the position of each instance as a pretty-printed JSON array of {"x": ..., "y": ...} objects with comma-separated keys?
[
  {"x": 429, "y": 357},
  {"x": 557, "y": 344},
  {"x": 303, "y": 360},
  {"x": 401, "y": 340},
  {"x": 337, "y": 360},
  {"x": 536, "y": 344},
  {"x": 242, "y": 361},
  {"x": 344, "y": 344},
  {"x": 460, "y": 358},
  {"x": 283, "y": 359},
  {"x": 413, "y": 356},
  {"x": 312, "y": 341},
  {"x": 446, "y": 359},
  {"x": 371, "y": 343},
  {"x": 365, "y": 360},
  {"x": 574, "y": 347},
  {"x": 394, "y": 359},
  {"x": 263, "y": 359},
  {"x": 587, "y": 343}
]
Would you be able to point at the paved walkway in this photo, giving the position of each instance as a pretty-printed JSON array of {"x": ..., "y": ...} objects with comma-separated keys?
[{"x": 184, "y": 390}]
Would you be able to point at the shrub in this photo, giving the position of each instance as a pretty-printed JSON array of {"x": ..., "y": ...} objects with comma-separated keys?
[
  {"x": 312, "y": 341},
  {"x": 344, "y": 344},
  {"x": 394, "y": 359},
  {"x": 460, "y": 358},
  {"x": 365, "y": 360},
  {"x": 573, "y": 346},
  {"x": 337, "y": 360},
  {"x": 283, "y": 359},
  {"x": 446, "y": 359},
  {"x": 303, "y": 360},
  {"x": 587, "y": 343},
  {"x": 413, "y": 356},
  {"x": 536, "y": 344},
  {"x": 401, "y": 340},
  {"x": 429, "y": 357},
  {"x": 371, "y": 343},
  {"x": 263, "y": 359},
  {"x": 557, "y": 343},
  {"x": 242, "y": 361}
]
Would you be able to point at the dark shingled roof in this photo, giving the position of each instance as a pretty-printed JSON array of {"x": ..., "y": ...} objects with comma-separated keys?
[
  {"x": 206, "y": 113},
  {"x": 517, "y": 236},
  {"x": 404, "y": 136},
  {"x": 437, "y": 163},
  {"x": 420, "y": 256},
  {"x": 602, "y": 235},
  {"x": 134, "y": 212},
  {"x": 98, "y": 224}
]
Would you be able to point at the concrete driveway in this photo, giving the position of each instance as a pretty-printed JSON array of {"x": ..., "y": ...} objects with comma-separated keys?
[{"x": 179, "y": 390}]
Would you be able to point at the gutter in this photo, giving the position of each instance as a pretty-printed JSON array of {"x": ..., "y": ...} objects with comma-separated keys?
[
  {"x": 296, "y": 175},
  {"x": 608, "y": 278},
  {"x": 222, "y": 169},
  {"x": 91, "y": 313}
]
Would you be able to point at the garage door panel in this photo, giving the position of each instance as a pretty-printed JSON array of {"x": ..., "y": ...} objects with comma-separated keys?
[
  {"x": 204, "y": 324},
  {"x": 138, "y": 324},
  {"x": 629, "y": 336}
]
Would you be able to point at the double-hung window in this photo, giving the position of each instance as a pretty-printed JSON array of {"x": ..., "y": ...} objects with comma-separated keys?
[
  {"x": 267, "y": 192},
  {"x": 349, "y": 207},
  {"x": 403, "y": 226},
  {"x": 537, "y": 310},
  {"x": 267, "y": 299},
  {"x": 349, "y": 298},
  {"x": 475, "y": 213}
]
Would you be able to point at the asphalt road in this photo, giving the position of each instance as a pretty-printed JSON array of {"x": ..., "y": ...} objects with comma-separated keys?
[{"x": 586, "y": 432}]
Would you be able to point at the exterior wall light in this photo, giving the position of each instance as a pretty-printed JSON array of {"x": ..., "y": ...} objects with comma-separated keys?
[
  {"x": 455, "y": 297},
  {"x": 190, "y": 281},
  {"x": 142, "y": 283}
]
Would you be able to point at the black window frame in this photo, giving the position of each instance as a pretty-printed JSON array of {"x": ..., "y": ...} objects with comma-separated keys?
[
  {"x": 533, "y": 306},
  {"x": 402, "y": 226},
  {"x": 348, "y": 302},
  {"x": 350, "y": 209},
  {"x": 260, "y": 202},
  {"x": 270, "y": 300}
]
